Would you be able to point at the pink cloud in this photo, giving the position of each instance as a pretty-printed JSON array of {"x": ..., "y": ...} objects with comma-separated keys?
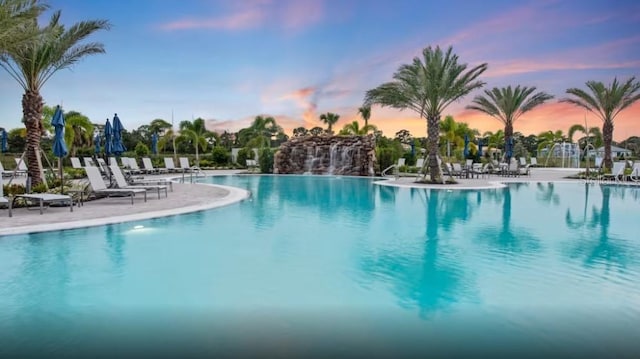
[{"x": 247, "y": 14}]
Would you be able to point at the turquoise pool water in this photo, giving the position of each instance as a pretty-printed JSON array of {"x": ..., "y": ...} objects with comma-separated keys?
[{"x": 342, "y": 265}]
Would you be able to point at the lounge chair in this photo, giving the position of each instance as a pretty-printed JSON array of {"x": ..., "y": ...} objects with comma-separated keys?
[
  {"x": 533, "y": 162},
  {"x": 113, "y": 161},
  {"x": 457, "y": 169},
  {"x": 75, "y": 163},
  {"x": 170, "y": 166},
  {"x": 3, "y": 200},
  {"x": 21, "y": 167},
  {"x": 122, "y": 183},
  {"x": 419, "y": 166},
  {"x": 131, "y": 164},
  {"x": 635, "y": 172},
  {"x": 523, "y": 167},
  {"x": 482, "y": 170},
  {"x": 148, "y": 166},
  {"x": 5, "y": 173},
  {"x": 98, "y": 186},
  {"x": 617, "y": 172},
  {"x": 184, "y": 164},
  {"x": 40, "y": 198},
  {"x": 513, "y": 169}
]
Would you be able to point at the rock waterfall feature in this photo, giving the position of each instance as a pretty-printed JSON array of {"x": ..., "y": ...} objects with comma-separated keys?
[{"x": 327, "y": 155}]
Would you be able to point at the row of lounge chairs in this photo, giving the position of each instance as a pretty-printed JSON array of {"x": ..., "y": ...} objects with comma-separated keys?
[
  {"x": 98, "y": 188},
  {"x": 130, "y": 165},
  {"x": 618, "y": 172},
  {"x": 470, "y": 169}
]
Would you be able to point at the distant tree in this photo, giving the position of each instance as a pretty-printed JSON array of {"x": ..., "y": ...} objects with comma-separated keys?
[
  {"x": 329, "y": 119},
  {"x": 300, "y": 132},
  {"x": 606, "y": 103},
  {"x": 508, "y": 104},
  {"x": 365, "y": 112},
  {"x": 197, "y": 134},
  {"x": 404, "y": 136},
  {"x": 260, "y": 133},
  {"x": 354, "y": 128},
  {"x": 548, "y": 138},
  {"x": 159, "y": 126},
  {"x": 316, "y": 131}
]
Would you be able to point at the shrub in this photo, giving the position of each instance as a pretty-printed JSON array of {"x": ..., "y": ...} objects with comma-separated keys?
[
  {"x": 13, "y": 189},
  {"x": 243, "y": 155},
  {"x": 265, "y": 160},
  {"x": 220, "y": 156},
  {"x": 141, "y": 150}
]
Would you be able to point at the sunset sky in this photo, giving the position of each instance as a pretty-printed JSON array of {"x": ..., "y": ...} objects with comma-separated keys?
[{"x": 228, "y": 61}]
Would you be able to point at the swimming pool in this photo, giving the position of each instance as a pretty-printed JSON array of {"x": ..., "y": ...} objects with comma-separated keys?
[{"x": 315, "y": 263}]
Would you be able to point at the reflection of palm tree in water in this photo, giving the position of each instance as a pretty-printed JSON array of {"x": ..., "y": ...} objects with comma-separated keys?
[
  {"x": 430, "y": 277},
  {"x": 115, "y": 246},
  {"x": 506, "y": 237},
  {"x": 605, "y": 249},
  {"x": 547, "y": 193}
]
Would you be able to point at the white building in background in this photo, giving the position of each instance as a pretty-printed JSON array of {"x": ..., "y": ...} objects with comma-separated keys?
[{"x": 615, "y": 152}]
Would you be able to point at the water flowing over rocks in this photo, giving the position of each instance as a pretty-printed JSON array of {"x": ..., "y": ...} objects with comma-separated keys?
[{"x": 333, "y": 155}]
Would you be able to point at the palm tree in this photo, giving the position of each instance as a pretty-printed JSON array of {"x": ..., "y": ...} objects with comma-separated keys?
[
  {"x": 159, "y": 126},
  {"x": 507, "y": 104},
  {"x": 354, "y": 128},
  {"x": 548, "y": 138},
  {"x": 365, "y": 112},
  {"x": 606, "y": 103},
  {"x": 78, "y": 131},
  {"x": 260, "y": 132},
  {"x": 15, "y": 18},
  {"x": 196, "y": 133},
  {"x": 329, "y": 119},
  {"x": 427, "y": 86},
  {"x": 316, "y": 131},
  {"x": 448, "y": 130},
  {"x": 54, "y": 48},
  {"x": 592, "y": 136}
]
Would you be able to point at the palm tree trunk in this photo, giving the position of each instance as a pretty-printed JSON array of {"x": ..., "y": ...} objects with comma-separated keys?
[
  {"x": 607, "y": 137},
  {"x": 32, "y": 112},
  {"x": 508, "y": 133},
  {"x": 433, "y": 137}
]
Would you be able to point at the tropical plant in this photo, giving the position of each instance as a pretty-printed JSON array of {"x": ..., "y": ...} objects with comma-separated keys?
[
  {"x": 606, "y": 102},
  {"x": 141, "y": 149},
  {"x": 78, "y": 131},
  {"x": 427, "y": 86},
  {"x": 592, "y": 136},
  {"x": 316, "y": 131},
  {"x": 159, "y": 126},
  {"x": 329, "y": 119},
  {"x": 365, "y": 112},
  {"x": 220, "y": 155},
  {"x": 15, "y": 20},
  {"x": 260, "y": 132},
  {"x": 508, "y": 104},
  {"x": 448, "y": 128},
  {"x": 300, "y": 132},
  {"x": 547, "y": 139},
  {"x": 196, "y": 133},
  {"x": 53, "y": 49},
  {"x": 354, "y": 128}
]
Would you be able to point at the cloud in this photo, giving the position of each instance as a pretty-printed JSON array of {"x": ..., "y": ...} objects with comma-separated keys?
[{"x": 249, "y": 14}]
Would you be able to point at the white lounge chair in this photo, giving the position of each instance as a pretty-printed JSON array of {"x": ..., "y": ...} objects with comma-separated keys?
[
  {"x": 131, "y": 165},
  {"x": 98, "y": 186},
  {"x": 122, "y": 183},
  {"x": 617, "y": 172},
  {"x": 148, "y": 166},
  {"x": 170, "y": 166},
  {"x": 4, "y": 172},
  {"x": 21, "y": 167},
  {"x": 635, "y": 172},
  {"x": 3, "y": 200},
  {"x": 184, "y": 165},
  {"x": 40, "y": 198},
  {"x": 533, "y": 162},
  {"x": 75, "y": 163}
]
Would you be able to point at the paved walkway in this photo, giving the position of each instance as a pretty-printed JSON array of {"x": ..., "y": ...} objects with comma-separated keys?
[{"x": 185, "y": 198}]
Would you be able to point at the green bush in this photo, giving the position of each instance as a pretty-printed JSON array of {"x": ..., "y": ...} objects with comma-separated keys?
[
  {"x": 265, "y": 160},
  {"x": 220, "y": 156},
  {"x": 386, "y": 157},
  {"x": 13, "y": 189},
  {"x": 243, "y": 155},
  {"x": 141, "y": 150}
]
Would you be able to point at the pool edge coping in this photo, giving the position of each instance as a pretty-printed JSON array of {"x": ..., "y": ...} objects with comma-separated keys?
[{"x": 235, "y": 195}]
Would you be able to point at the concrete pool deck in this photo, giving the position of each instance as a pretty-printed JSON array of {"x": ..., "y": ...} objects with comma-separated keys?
[{"x": 187, "y": 198}]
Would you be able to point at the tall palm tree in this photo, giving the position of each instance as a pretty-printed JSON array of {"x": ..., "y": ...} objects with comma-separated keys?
[
  {"x": 606, "y": 103},
  {"x": 78, "y": 131},
  {"x": 592, "y": 135},
  {"x": 15, "y": 19},
  {"x": 159, "y": 126},
  {"x": 427, "y": 86},
  {"x": 329, "y": 119},
  {"x": 55, "y": 48},
  {"x": 508, "y": 104},
  {"x": 354, "y": 128},
  {"x": 260, "y": 132},
  {"x": 196, "y": 133},
  {"x": 365, "y": 112}
]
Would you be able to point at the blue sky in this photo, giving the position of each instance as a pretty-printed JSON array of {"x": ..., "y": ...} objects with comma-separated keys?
[{"x": 228, "y": 61}]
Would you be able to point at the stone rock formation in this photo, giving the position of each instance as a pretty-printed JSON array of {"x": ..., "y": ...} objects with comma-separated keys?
[{"x": 335, "y": 155}]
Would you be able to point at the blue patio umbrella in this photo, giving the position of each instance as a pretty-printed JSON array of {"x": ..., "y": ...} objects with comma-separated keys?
[
  {"x": 108, "y": 138},
  {"x": 118, "y": 147},
  {"x": 59, "y": 147},
  {"x": 96, "y": 143},
  {"x": 466, "y": 145},
  {"x": 3, "y": 142},
  {"x": 480, "y": 143},
  {"x": 154, "y": 143},
  {"x": 509, "y": 148}
]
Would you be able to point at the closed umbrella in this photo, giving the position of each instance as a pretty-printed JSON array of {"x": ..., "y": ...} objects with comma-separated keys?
[
  {"x": 154, "y": 143},
  {"x": 59, "y": 147},
  {"x": 96, "y": 143},
  {"x": 480, "y": 143},
  {"x": 118, "y": 147},
  {"x": 466, "y": 145},
  {"x": 509, "y": 149},
  {"x": 3, "y": 143},
  {"x": 108, "y": 140}
]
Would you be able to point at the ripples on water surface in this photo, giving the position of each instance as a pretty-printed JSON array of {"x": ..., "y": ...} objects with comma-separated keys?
[{"x": 312, "y": 264}]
